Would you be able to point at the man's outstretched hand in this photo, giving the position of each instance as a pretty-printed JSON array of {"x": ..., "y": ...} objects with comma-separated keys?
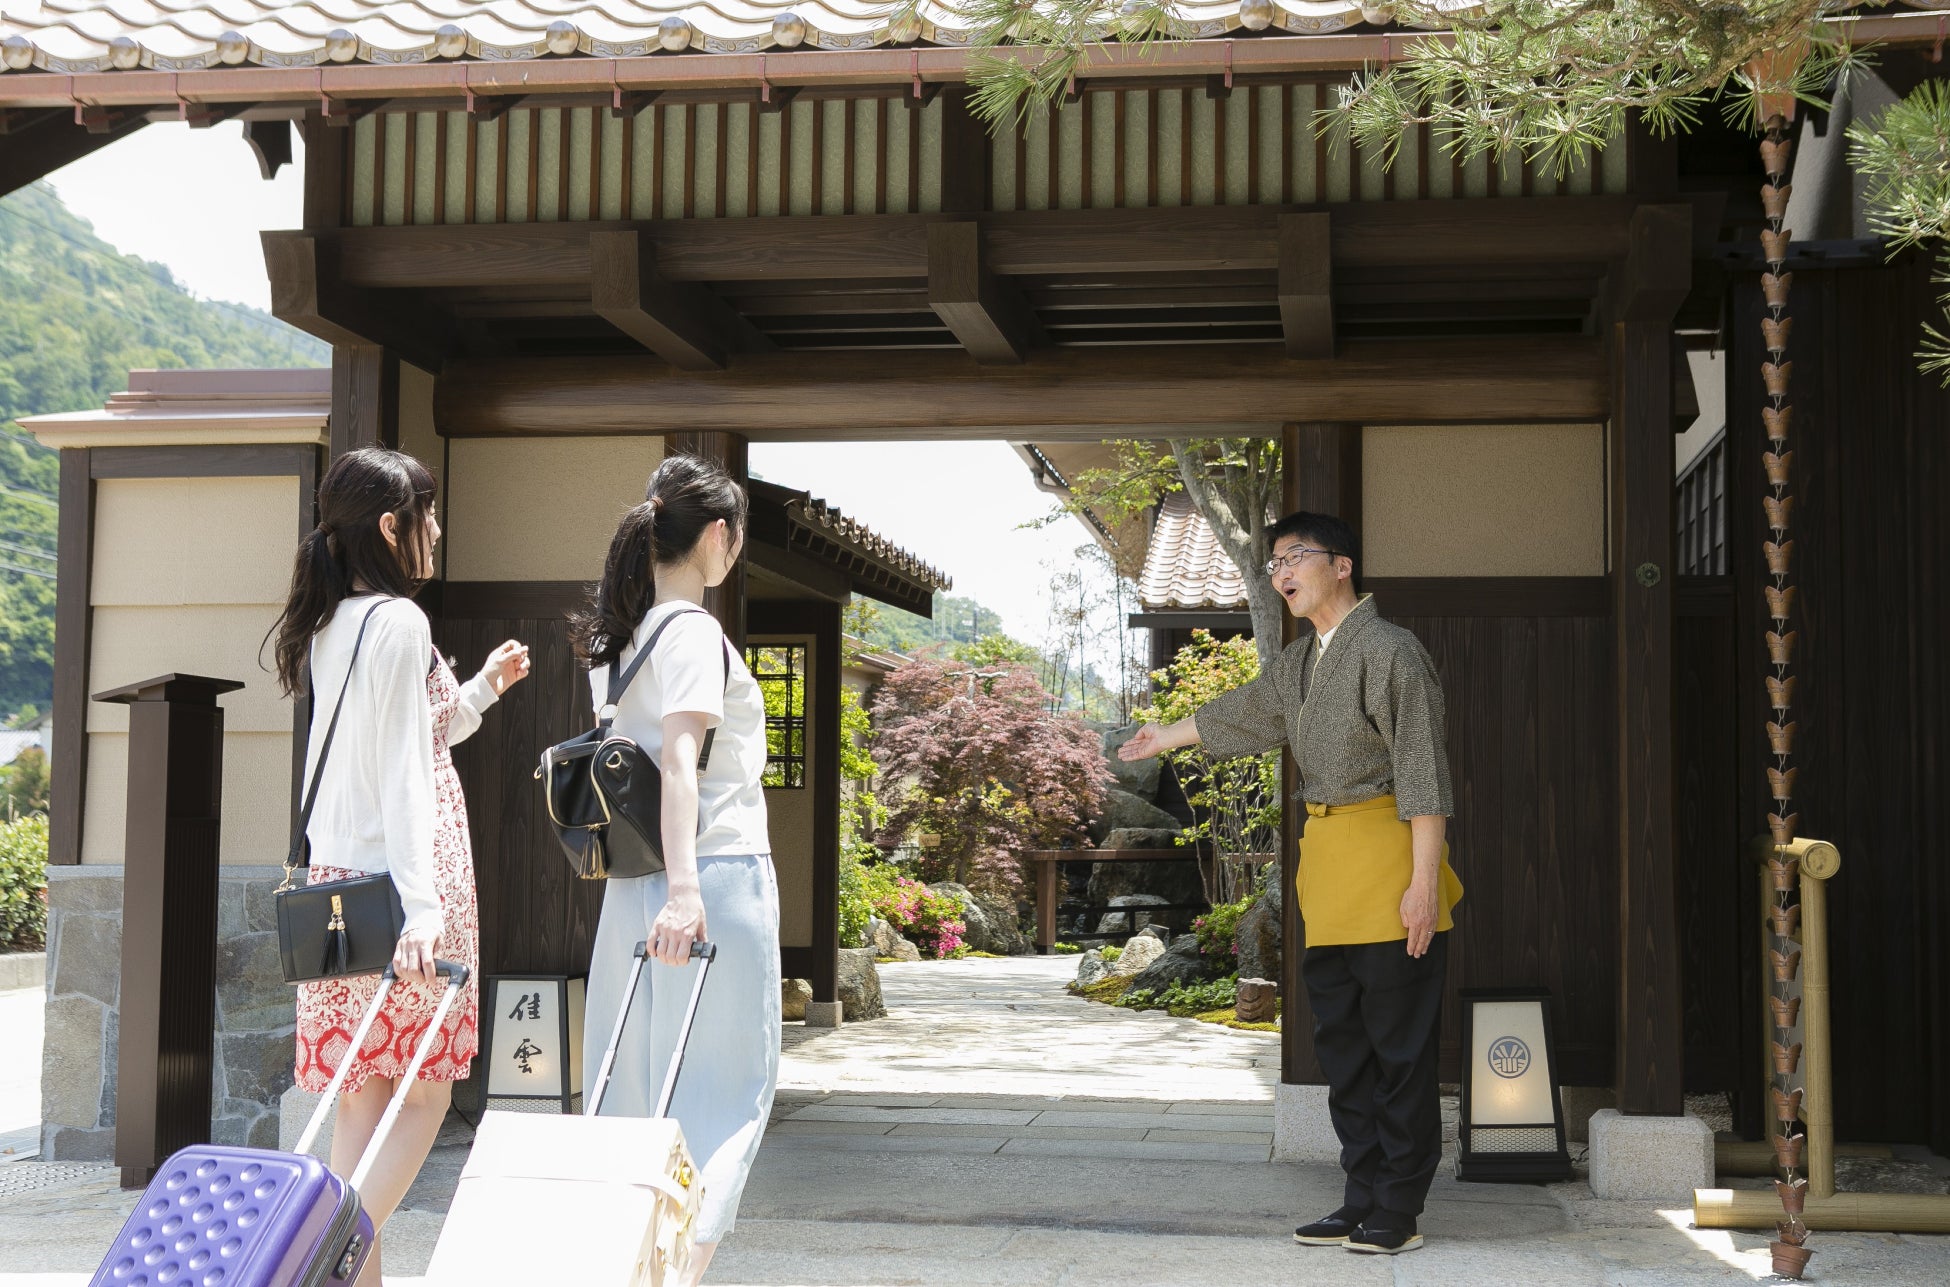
[{"x": 1144, "y": 744}]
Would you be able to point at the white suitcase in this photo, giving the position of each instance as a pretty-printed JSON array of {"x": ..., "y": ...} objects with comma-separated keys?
[{"x": 583, "y": 1200}]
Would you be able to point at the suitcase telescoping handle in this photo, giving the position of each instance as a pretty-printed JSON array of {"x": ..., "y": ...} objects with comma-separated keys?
[
  {"x": 456, "y": 980},
  {"x": 703, "y": 953}
]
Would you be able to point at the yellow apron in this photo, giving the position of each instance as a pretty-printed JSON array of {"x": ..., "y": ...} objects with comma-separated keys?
[{"x": 1355, "y": 864}]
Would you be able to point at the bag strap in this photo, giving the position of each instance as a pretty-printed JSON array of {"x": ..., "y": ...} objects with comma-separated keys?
[
  {"x": 619, "y": 682},
  {"x": 292, "y": 860}
]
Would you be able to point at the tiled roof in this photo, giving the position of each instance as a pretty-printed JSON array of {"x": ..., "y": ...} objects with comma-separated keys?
[
  {"x": 1186, "y": 567},
  {"x": 85, "y": 36}
]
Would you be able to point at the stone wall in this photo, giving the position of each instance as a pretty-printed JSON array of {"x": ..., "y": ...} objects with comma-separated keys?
[{"x": 255, "y": 1018}]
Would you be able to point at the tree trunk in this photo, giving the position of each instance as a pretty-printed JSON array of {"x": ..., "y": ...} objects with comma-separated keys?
[{"x": 1235, "y": 501}]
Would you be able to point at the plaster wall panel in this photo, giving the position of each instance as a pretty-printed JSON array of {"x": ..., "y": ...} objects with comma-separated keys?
[
  {"x": 1483, "y": 500},
  {"x": 132, "y": 643},
  {"x": 531, "y": 509},
  {"x": 256, "y": 797},
  {"x": 168, "y": 541}
]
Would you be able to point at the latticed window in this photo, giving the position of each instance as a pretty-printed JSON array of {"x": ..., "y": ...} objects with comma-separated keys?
[{"x": 781, "y": 675}]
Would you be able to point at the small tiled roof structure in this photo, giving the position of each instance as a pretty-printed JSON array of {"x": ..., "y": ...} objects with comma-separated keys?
[
  {"x": 1185, "y": 567},
  {"x": 877, "y": 567},
  {"x": 87, "y": 36}
]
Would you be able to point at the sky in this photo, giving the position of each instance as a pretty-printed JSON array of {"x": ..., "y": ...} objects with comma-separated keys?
[{"x": 957, "y": 505}]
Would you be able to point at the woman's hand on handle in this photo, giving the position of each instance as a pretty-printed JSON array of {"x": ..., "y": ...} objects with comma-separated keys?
[
  {"x": 678, "y": 925},
  {"x": 413, "y": 957},
  {"x": 506, "y": 666}
]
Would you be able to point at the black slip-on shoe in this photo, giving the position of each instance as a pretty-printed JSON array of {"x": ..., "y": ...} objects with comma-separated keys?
[
  {"x": 1384, "y": 1241},
  {"x": 1329, "y": 1231}
]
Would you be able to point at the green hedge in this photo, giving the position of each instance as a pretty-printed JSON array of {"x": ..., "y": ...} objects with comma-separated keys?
[{"x": 23, "y": 884}]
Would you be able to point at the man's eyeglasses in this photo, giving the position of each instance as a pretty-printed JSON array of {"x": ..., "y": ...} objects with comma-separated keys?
[{"x": 1293, "y": 558}]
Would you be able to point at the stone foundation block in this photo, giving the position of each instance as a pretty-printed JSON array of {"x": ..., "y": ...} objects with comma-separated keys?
[
  {"x": 824, "y": 1014},
  {"x": 1659, "y": 1159},
  {"x": 1302, "y": 1131}
]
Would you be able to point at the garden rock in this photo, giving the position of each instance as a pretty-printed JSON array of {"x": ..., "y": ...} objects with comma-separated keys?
[
  {"x": 1258, "y": 936},
  {"x": 1123, "y": 809},
  {"x": 904, "y": 950},
  {"x": 859, "y": 985},
  {"x": 1138, "y": 955},
  {"x": 1180, "y": 963},
  {"x": 1140, "y": 777},
  {"x": 1156, "y": 932},
  {"x": 1172, "y": 882},
  {"x": 991, "y": 924},
  {"x": 882, "y": 937},
  {"x": 1120, "y": 922},
  {"x": 1141, "y": 838},
  {"x": 1255, "y": 1001},
  {"x": 794, "y": 993},
  {"x": 1091, "y": 968}
]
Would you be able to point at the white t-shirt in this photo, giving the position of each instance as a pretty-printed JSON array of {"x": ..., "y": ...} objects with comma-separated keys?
[{"x": 688, "y": 674}]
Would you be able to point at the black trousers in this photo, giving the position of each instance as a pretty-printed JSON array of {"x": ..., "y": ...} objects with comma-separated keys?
[{"x": 1377, "y": 1032}]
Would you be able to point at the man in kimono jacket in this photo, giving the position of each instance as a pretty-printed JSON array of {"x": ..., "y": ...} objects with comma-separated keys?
[{"x": 1359, "y": 703}]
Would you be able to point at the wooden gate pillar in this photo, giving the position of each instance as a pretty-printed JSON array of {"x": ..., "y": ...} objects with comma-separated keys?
[
  {"x": 1320, "y": 472},
  {"x": 365, "y": 397},
  {"x": 169, "y": 918},
  {"x": 1647, "y": 289},
  {"x": 733, "y": 451}
]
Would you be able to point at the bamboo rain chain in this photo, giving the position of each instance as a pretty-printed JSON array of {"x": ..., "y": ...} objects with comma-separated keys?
[{"x": 1784, "y": 953}]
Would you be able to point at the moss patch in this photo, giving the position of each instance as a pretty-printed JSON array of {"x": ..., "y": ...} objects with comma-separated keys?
[
  {"x": 1229, "y": 1018},
  {"x": 1106, "y": 990}
]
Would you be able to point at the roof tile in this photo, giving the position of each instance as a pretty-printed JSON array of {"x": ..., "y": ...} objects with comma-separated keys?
[{"x": 1186, "y": 567}]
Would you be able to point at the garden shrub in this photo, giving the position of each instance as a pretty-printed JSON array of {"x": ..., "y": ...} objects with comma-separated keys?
[
  {"x": 933, "y": 921},
  {"x": 1218, "y": 934},
  {"x": 23, "y": 883},
  {"x": 1110, "y": 954},
  {"x": 1185, "y": 1002},
  {"x": 1065, "y": 949}
]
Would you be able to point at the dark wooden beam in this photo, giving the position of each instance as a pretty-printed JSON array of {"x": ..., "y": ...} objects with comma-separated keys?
[
  {"x": 1648, "y": 288},
  {"x": 672, "y": 321},
  {"x": 1320, "y": 472},
  {"x": 989, "y": 318},
  {"x": 1306, "y": 284},
  {"x": 826, "y": 680},
  {"x": 365, "y": 397},
  {"x": 270, "y": 143},
  {"x": 37, "y": 150},
  {"x": 1059, "y": 394},
  {"x": 308, "y": 291},
  {"x": 1540, "y": 236},
  {"x": 964, "y": 154},
  {"x": 73, "y": 631},
  {"x": 324, "y": 175}
]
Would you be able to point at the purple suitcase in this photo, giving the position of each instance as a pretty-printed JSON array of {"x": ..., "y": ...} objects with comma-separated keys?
[{"x": 250, "y": 1217}]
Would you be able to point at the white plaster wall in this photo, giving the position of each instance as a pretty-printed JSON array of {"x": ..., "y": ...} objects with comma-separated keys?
[{"x": 540, "y": 509}]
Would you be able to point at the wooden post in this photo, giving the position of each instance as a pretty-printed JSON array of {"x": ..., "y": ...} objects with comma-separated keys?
[
  {"x": 365, "y": 397},
  {"x": 68, "y": 773},
  {"x": 324, "y": 174},
  {"x": 169, "y": 918},
  {"x": 824, "y": 708},
  {"x": 1648, "y": 288},
  {"x": 733, "y": 451},
  {"x": 1321, "y": 472},
  {"x": 1046, "y": 882}
]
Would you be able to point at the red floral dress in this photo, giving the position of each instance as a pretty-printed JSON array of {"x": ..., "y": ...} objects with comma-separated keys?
[{"x": 329, "y": 1010}]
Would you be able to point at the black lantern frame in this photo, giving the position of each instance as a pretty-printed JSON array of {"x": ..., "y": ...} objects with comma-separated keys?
[
  {"x": 1529, "y": 1166},
  {"x": 490, "y": 1014}
]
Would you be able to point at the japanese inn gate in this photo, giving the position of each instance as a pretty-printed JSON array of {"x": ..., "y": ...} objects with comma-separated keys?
[{"x": 734, "y": 247}]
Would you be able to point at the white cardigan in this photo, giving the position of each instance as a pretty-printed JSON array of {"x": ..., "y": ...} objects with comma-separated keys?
[{"x": 376, "y": 806}]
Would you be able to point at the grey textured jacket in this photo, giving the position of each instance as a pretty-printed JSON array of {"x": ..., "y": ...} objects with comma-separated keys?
[{"x": 1365, "y": 718}]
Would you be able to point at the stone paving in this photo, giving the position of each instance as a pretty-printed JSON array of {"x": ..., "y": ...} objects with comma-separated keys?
[{"x": 993, "y": 1131}]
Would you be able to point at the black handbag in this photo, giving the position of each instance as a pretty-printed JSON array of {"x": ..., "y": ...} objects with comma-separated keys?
[
  {"x": 604, "y": 794},
  {"x": 339, "y": 928}
]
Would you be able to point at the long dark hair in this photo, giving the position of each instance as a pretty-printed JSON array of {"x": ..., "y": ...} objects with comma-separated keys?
[
  {"x": 347, "y": 547},
  {"x": 686, "y": 495}
]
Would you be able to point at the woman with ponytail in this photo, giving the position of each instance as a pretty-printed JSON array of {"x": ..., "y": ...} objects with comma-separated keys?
[
  {"x": 387, "y": 801},
  {"x": 683, "y": 539}
]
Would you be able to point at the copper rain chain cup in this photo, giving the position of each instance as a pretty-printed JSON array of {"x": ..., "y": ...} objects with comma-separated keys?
[
  {"x": 1786, "y": 964},
  {"x": 1775, "y": 377},
  {"x": 1785, "y": 919},
  {"x": 1787, "y": 1058},
  {"x": 1787, "y": 1104},
  {"x": 1774, "y": 289},
  {"x": 1788, "y": 1150},
  {"x": 1790, "y": 1259},
  {"x": 1782, "y": 831},
  {"x": 1786, "y": 1011},
  {"x": 1780, "y": 651}
]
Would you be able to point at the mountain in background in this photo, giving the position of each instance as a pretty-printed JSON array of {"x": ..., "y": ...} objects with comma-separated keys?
[{"x": 79, "y": 316}]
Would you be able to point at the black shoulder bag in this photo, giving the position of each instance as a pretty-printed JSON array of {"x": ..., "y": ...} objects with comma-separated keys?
[
  {"x": 605, "y": 796},
  {"x": 338, "y": 928}
]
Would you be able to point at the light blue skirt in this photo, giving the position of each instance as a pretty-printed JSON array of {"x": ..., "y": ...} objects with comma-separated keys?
[{"x": 731, "y": 1066}]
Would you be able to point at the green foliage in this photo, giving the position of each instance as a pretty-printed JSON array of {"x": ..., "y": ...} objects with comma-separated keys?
[
  {"x": 1106, "y": 990},
  {"x": 1218, "y": 931},
  {"x": 957, "y": 620},
  {"x": 1185, "y": 1001},
  {"x": 23, "y": 784},
  {"x": 79, "y": 318},
  {"x": 1064, "y": 949},
  {"x": 1235, "y": 803},
  {"x": 861, "y": 816},
  {"x": 1905, "y": 157},
  {"x": 995, "y": 650},
  {"x": 23, "y": 883},
  {"x": 1110, "y": 954}
]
